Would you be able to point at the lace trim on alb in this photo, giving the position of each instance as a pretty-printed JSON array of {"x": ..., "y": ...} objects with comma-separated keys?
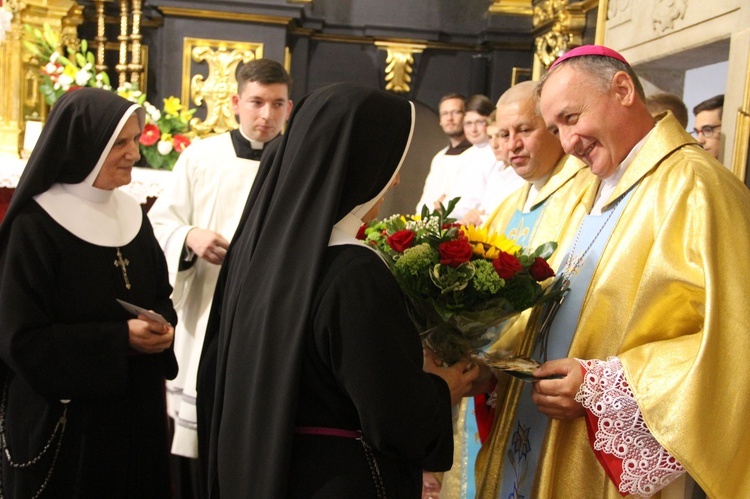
[{"x": 647, "y": 467}]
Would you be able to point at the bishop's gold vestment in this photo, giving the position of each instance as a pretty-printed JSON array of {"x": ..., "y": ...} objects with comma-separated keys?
[{"x": 668, "y": 298}]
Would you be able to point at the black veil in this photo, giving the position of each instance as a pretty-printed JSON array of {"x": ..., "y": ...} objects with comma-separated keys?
[{"x": 342, "y": 146}]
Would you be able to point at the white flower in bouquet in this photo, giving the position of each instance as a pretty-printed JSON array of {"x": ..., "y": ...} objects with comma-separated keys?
[
  {"x": 152, "y": 111},
  {"x": 164, "y": 147},
  {"x": 83, "y": 75},
  {"x": 102, "y": 82},
  {"x": 64, "y": 81}
]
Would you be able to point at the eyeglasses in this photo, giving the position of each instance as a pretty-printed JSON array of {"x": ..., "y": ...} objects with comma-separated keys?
[
  {"x": 707, "y": 131},
  {"x": 476, "y": 122},
  {"x": 454, "y": 112}
]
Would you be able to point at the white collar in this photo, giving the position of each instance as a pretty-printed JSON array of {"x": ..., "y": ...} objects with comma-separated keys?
[
  {"x": 607, "y": 185},
  {"x": 536, "y": 186},
  {"x": 345, "y": 231},
  {"x": 100, "y": 217},
  {"x": 253, "y": 143}
]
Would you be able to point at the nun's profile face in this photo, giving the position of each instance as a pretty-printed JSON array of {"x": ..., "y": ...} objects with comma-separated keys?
[{"x": 124, "y": 153}]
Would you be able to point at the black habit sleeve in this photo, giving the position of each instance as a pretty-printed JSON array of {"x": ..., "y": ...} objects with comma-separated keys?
[
  {"x": 364, "y": 335},
  {"x": 64, "y": 333}
]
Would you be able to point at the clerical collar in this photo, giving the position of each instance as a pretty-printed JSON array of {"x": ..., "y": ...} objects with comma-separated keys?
[
  {"x": 245, "y": 147},
  {"x": 455, "y": 151},
  {"x": 608, "y": 185},
  {"x": 536, "y": 186}
]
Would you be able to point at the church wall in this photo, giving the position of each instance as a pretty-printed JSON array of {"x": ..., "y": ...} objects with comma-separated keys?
[
  {"x": 679, "y": 36},
  {"x": 167, "y": 47}
]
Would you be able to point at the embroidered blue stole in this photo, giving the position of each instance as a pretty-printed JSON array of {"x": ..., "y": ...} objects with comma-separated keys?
[
  {"x": 527, "y": 434},
  {"x": 521, "y": 228}
]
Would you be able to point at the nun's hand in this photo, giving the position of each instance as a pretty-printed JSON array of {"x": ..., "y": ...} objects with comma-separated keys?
[
  {"x": 147, "y": 336},
  {"x": 207, "y": 244},
  {"x": 458, "y": 376}
]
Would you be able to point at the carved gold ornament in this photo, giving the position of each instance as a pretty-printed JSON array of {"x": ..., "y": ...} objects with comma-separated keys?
[
  {"x": 216, "y": 89},
  {"x": 399, "y": 61}
]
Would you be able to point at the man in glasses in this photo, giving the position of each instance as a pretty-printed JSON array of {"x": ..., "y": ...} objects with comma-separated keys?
[
  {"x": 708, "y": 124},
  {"x": 446, "y": 166}
]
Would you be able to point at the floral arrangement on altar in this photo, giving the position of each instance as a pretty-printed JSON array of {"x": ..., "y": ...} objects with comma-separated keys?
[
  {"x": 61, "y": 74},
  {"x": 462, "y": 281},
  {"x": 167, "y": 132}
]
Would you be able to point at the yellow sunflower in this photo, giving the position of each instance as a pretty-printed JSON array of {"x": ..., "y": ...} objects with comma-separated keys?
[{"x": 488, "y": 244}]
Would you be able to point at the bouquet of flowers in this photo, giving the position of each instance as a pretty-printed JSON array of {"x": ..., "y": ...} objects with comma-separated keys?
[
  {"x": 166, "y": 133},
  {"x": 61, "y": 74},
  {"x": 462, "y": 281}
]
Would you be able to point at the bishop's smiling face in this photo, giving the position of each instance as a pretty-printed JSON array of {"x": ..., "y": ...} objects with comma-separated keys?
[{"x": 587, "y": 118}]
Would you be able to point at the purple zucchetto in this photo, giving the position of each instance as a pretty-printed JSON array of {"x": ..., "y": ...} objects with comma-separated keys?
[{"x": 589, "y": 50}]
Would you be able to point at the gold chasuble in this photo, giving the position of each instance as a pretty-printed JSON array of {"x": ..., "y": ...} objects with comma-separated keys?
[{"x": 669, "y": 298}]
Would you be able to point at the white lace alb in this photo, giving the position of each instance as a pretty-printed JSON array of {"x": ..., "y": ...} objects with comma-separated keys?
[{"x": 647, "y": 467}]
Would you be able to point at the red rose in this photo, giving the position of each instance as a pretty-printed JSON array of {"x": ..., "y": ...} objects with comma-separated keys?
[
  {"x": 451, "y": 225},
  {"x": 180, "y": 142},
  {"x": 506, "y": 265},
  {"x": 540, "y": 269},
  {"x": 401, "y": 240},
  {"x": 361, "y": 232},
  {"x": 150, "y": 135},
  {"x": 455, "y": 252}
]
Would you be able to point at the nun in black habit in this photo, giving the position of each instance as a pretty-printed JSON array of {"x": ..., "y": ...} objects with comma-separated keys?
[
  {"x": 312, "y": 371},
  {"x": 83, "y": 411}
]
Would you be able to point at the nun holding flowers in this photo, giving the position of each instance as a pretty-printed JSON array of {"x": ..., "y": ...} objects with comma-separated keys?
[{"x": 312, "y": 372}]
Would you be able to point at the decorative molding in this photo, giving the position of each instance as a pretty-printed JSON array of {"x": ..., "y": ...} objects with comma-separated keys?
[
  {"x": 217, "y": 88},
  {"x": 666, "y": 12},
  {"x": 135, "y": 67},
  {"x": 559, "y": 26},
  {"x": 20, "y": 98},
  {"x": 512, "y": 7},
  {"x": 619, "y": 12},
  {"x": 223, "y": 15},
  {"x": 122, "y": 60},
  {"x": 399, "y": 60},
  {"x": 143, "y": 58},
  {"x": 101, "y": 38}
]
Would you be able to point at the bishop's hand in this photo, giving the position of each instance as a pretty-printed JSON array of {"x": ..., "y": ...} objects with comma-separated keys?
[{"x": 556, "y": 397}]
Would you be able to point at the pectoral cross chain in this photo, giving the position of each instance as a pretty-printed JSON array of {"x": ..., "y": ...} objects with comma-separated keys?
[{"x": 123, "y": 263}]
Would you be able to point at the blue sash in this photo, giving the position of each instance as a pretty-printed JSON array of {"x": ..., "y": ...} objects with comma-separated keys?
[{"x": 527, "y": 433}]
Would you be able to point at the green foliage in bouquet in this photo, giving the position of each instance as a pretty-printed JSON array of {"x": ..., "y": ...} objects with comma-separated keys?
[{"x": 462, "y": 281}]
